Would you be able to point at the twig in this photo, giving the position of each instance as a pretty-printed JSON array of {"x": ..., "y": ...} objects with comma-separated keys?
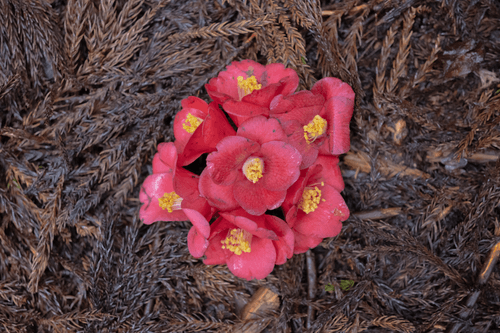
[
  {"x": 437, "y": 215},
  {"x": 378, "y": 214},
  {"x": 311, "y": 285},
  {"x": 489, "y": 264},
  {"x": 483, "y": 278},
  {"x": 360, "y": 161},
  {"x": 262, "y": 301}
]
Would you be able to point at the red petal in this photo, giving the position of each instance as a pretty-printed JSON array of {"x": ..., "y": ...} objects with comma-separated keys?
[
  {"x": 281, "y": 165},
  {"x": 255, "y": 225},
  {"x": 338, "y": 112},
  {"x": 254, "y": 198},
  {"x": 294, "y": 193},
  {"x": 244, "y": 109},
  {"x": 232, "y": 152},
  {"x": 199, "y": 204},
  {"x": 242, "y": 221},
  {"x": 214, "y": 253},
  {"x": 181, "y": 135},
  {"x": 186, "y": 183},
  {"x": 186, "y": 186},
  {"x": 198, "y": 221},
  {"x": 308, "y": 151},
  {"x": 258, "y": 232},
  {"x": 325, "y": 221},
  {"x": 284, "y": 244},
  {"x": 302, "y": 99},
  {"x": 263, "y": 97},
  {"x": 304, "y": 243},
  {"x": 195, "y": 103},
  {"x": 216, "y": 91},
  {"x": 217, "y": 195},
  {"x": 237, "y": 120},
  {"x": 262, "y": 130},
  {"x": 248, "y": 224},
  {"x": 291, "y": 216},
  {"x": 275, "y": 73},
  {"x": 316, "y": 174},
  {"x": 193, "y": 148},
  {"x": 256, "y": 264},
  {"x": 220, "y": 225},
  {"x": 330, "y": 87},
  {"x": 303, "y": 115},
  {"x": 197, "y": 243},
  {"x": 166, "y": 158},
  {"x": 225, "y": 86},
  {"x": 330, "y": 173},
  {"x": 153, "y": 188},
  {"x": 246, "y": 68},
  {"x": 214, "y": 128}
]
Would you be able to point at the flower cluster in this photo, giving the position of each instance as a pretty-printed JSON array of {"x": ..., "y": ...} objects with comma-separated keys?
[{"x": 281, "y": 153}]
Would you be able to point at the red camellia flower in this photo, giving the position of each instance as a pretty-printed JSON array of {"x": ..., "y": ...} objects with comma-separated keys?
[
  {"x": 317, "y": 121},
  {"x": 198, "y": 127},
  {"x": 284, "y": 153},
  {"x": 253, "y": 169},
  {"x": 170, "y": 189},
  {"x": 246, "y": 88},
  {"x": 314, "y": 207},
  {"x": 249, "y": 245}
]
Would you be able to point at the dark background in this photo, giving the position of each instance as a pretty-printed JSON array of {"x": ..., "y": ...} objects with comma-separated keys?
[{"x": 89, "y": 88}]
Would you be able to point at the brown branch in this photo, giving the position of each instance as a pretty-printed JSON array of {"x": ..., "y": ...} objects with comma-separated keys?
[
  {"x": 262, "y": 301},
  {"x": 361, "y": 161},
  {"x": 378, "y": 214},
  {"x": 311, "y": 285}
]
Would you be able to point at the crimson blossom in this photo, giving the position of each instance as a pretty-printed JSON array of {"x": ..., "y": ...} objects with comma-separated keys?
[
  {"x": 314, "y": 207},
  {"x": 250, "y": 245},
  {"x": 171, "y": 194},
  {"x": 246, "y": 88},
  {"x": 317, "y": 121},
  {"x": 198, "y": 127},
  {"x": 282, "y": 153},
  {"x": 252, "y": 169}
]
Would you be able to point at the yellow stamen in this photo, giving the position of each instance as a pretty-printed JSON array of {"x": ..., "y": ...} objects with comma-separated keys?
[
  {"x": 315, "y": 128},
  {"x": 310, "y": 200},
  {"x": 170, "y": 201},
  {"x": 253, "y": 168},
  {"x": 191, "y": 123},
  {"x": 237, "y": 241},
  {"x": 247, "y": 86}
]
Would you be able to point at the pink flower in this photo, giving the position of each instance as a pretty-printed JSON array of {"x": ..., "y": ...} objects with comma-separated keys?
[
  {"x": 170, "y": 189},
  {"x": 246, "y": 88},
  {"x": 198, "y": 127},
  {"x": 314, "y": 207},
  {"x": 317, "y": 121},
  {"x": 249, "y": 245},
  {"x": 252, "y": 169}
]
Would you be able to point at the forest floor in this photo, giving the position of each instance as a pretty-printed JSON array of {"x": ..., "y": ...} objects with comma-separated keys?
[{"x": 89, "y": 88}]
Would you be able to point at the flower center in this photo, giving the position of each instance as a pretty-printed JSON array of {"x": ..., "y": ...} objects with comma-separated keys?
[
  {"x": 253, "y": 168},
  {"x": 191, "y": 123},
  {"x": 315, "y": 128},
  {"x": 170, "y": 201},
  {"x": 237, "y": 241},
  {"x": 246, "y": 86},
  {"x": 311, "y": 198}
]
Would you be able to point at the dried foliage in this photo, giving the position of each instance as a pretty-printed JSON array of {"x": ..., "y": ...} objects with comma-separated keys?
[{"x": 89, "y": 88}]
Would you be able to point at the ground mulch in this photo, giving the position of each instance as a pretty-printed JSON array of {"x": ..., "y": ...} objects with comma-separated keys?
[{"x": 89, "y": 88}]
